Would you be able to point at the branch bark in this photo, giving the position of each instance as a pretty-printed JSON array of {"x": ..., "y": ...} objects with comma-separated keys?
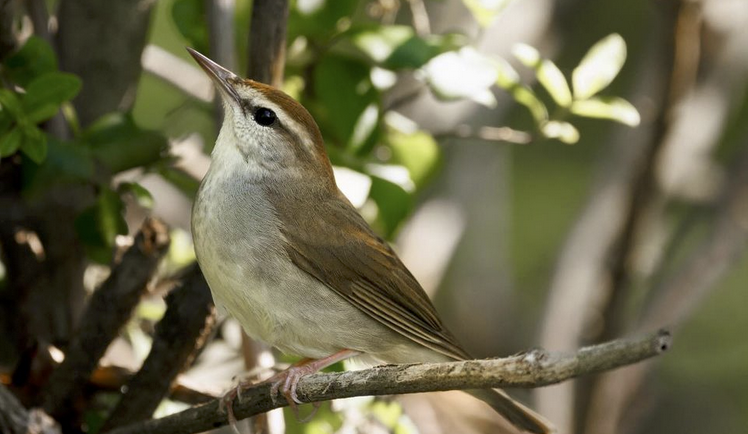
[
  {"x": 267, "y": 43},
  {"x": 532, "y": 369},
  {"x": 107, "y": 55},
  {"x": 7, "y": 34},
  {"x": 179, "y": 335},
  {"x": 14, "y": 419},
  {"x": 109, "y": 308}
]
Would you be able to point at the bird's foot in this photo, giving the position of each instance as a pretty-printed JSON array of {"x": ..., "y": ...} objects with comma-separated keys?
[
  {"x": 227, "y": 402},
  {"x": 286, "y": 382}
]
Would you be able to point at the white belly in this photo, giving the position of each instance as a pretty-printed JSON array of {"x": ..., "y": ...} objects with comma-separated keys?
[{"x": 239, "y": 248}]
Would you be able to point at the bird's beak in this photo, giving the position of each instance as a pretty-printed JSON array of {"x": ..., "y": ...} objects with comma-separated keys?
[{"x": 221, "y": 76}]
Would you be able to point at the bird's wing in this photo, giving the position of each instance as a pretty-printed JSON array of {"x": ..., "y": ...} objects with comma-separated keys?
[{"x": 354, "y": 262}]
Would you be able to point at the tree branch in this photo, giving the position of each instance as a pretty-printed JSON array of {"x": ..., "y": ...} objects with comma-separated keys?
[
  {"x": 109, "y": 308},
  {"x": 532, "y": 369},
  {"x": 267, "y": 41},
  {"x": 14, "y": 419},
  {"x": 181, "y": 332}
]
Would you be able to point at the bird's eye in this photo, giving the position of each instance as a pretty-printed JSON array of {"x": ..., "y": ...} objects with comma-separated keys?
[{"x": 265, "y": 116}]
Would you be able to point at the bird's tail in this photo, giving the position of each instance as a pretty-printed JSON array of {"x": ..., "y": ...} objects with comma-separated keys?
[{"x": 520, "y": 416}]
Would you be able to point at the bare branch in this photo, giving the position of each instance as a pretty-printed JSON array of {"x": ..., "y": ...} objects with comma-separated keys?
[
  {"x": 420, "y": 17},
  {"x": 14, "y": 419},
  {"x": 267, "y": 41},
  {"x": 180, "y": 333},
  {"x": 109, "y": 308},
  {"x": 489, "y": 134},
  {"x": 532, "y": 369}
]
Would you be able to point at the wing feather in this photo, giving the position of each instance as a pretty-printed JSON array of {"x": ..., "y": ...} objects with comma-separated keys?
[{"x": 361, "y": 267}]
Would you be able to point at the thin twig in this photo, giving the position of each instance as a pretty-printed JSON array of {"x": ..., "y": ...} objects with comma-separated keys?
[
  {"x": 420, "y": 17},
  {"x": 109, "y": 308},
  {"x": 489, "y": 134},
  {"x": 532, "y": 369},
  {"x": 181, "y": 332}
]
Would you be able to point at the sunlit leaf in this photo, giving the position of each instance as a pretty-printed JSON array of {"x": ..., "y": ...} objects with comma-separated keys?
[
  {"x": 562, "y": 131},
  {"x": 463, "y": 74},
  {"x": 508, "y": 79},
  {"x": 599, "y": 67},
  {"x": 398, "y": 47},
  {"x": 417, "y": 151},
  {"x": 110, "y": 219},
  {"x": 142, "y": 196},
  {"x": 485, "y": 11},
  {"x": 379, "y": 43},
  {"x": 10, "y": 142},
  {"x": 548, "y": 74},
  {"x": 364, "y": 127},
  {"x": 613, "y": 108}
]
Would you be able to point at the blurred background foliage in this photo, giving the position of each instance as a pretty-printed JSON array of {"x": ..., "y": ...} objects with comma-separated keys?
[{"x": 448, "y": 123}]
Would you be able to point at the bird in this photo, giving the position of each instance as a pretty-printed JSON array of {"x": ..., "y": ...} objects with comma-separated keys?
[{"x": 286, "y": 254}]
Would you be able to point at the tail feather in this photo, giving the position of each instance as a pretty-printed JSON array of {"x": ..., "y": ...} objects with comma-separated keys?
[{"x": 520, "y": 416}]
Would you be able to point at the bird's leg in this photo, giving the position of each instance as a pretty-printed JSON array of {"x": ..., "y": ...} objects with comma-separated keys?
[{"x": 285, "y": 382}]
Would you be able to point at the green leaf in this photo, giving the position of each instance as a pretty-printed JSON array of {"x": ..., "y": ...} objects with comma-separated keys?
[
  {"x": 117, "y": 142},
  {"x": 463, "y": 74},
  {"x": 344, "y": 91},
  {"x": 365, "y": 126},
  {"x": 10, "y": 142},
  {"x": 52, "y": 88},
  {"x": 394, "y": 204},
  {"x": 508, "y": 79},
  {"x": 180, "y": 179},
  {"x": 34, "y": 143},
  {"x": 320, "y": 20},
  {"x": 563, "y": 131},
  {"x": 485, "y": 11},
  {"x": 599, "y": 67},
  {"x": 110, "y": 219},
  {"x": 43, "y": 113},
  {"x": 190, "y": 19},
  {"x": 10, "y": 103},
  {"x": 398, "y": 47},
  {"x": 99, "y": 225},
  {"x": 66, "y": 162},
  {"x": 380, "y": 42},
  {"x": 141, "y": 194},
  {"x": 613, "y": 108},
  {"x": 417, "y": 151},
  {"x": 548, "y": 74},
  {"x": 35, "y": 58}
]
